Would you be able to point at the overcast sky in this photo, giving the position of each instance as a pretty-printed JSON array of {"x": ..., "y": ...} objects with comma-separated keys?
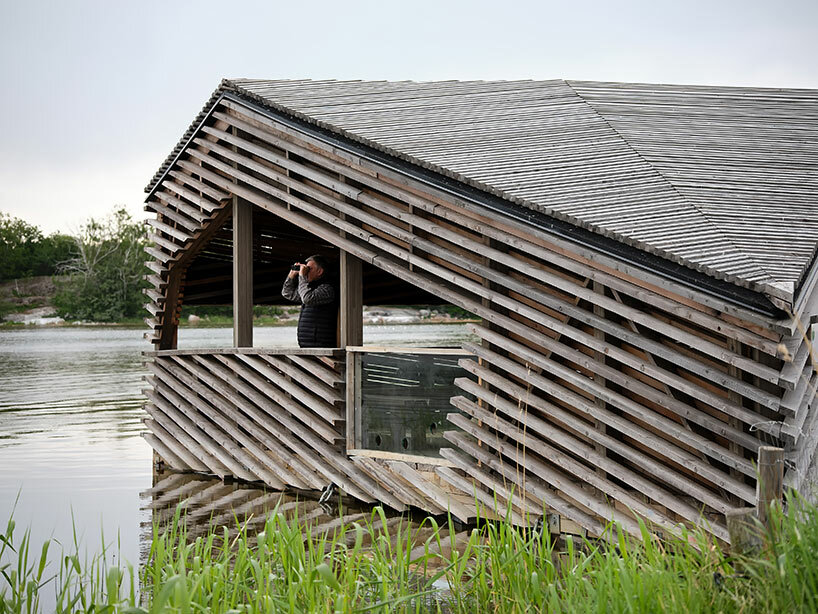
[{"x": 96, "y": 93}]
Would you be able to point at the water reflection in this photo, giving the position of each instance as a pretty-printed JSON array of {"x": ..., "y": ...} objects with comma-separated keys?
[
  {"x": 207, "y": 503},
  {"x": 71, "y": 418}
]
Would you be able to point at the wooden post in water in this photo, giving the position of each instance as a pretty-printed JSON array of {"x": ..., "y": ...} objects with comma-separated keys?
[
  {"x": 745, "y": 524},
  {"x": 742, "y": 526},
  {"x": 242, "y": 273},
  {"x": 770, "y": 485}
]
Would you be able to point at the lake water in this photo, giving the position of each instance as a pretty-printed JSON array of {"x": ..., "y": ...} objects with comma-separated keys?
[{"x": 71, "y": 418}]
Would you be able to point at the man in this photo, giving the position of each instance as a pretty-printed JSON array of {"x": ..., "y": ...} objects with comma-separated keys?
[{"x": 309, "y": 283}]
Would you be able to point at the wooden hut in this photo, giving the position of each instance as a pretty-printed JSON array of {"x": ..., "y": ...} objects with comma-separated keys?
[{"x": 641, "y": 258}]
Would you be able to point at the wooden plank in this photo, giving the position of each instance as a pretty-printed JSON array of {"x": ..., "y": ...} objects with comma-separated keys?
[
  {"x": 242, "y": 273},
  {"x": 431, "y": 491},
  {"x": 640, "y": 459},
  {"x": 568, "y": 488},
  {"x": 198, "y": 200},
  {"x": 531, "y": 484},
  {"x": 646, "y": 485},
  {"x": 497, "y": 486},
  {"x": 167, "y": 213},
  {"x": 770, "y": 484},
  {"x": 163, "y": 243},
  {"x": 712, "y": 423},
  {"x": 175, "y": 203},
  {"x": 269, "y": 466},
  {"x": 179, "y": 235},
  {"x": 195, "y": 184},
  {"x": 352, "y": 393},
  {"x": 397, "y": 456},
  {"x": 351, "y": 313},
  {"x": 587, "y": 475},
  {"x": 165, "y": 452},
  {"x": 328, "y": 376},
  {"x": 309, "y": 353},
  {"x": 635, "y": 410},
  {"x": 168, "y": 417},
  {"x": 223, "y": 396},
  {"x": 209, "y": 435},
  {"x": 296, "y": 400},
  {"x": 472, "y": 488},
  {"x": 304, "y": 378},
  {"x": 379, "y": 473}
]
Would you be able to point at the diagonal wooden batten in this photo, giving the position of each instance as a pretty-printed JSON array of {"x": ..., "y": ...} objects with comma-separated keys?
[
  {"x": 187, "y": 433},
  {"x": 441, "y": 498},
  {"x": 581, "y": 472},
  {"x": 499, "y": 256},
  {"x": 657, "y": 471},
  {"x": 640, "y": 341},
  {"x": 570, "y": 489},
  {"x": 175, "y": 204},
  {"x": 270, "y": 467},
  {"x": 199, "y": 186},
  {"x": 212, "y": 434},
  {"x": 306, "y": 379},
  {"x": 665, "y": 447},
  {"x": 175, "y": 233},
  {"x": 171, "y": 455},
  {"x": 534, "y": 488},
  {"x": 487, "y": 505},
  {"x": 200, "y": 201},
  {"x": 505, "y": 494},
  {"x": 315, "y": 403}
]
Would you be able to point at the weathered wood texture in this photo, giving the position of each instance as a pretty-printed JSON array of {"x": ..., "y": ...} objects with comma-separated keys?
[
  {"x": 604, "y": 394},
  {"x": 275, "y": 418},
  {"x": 188, "y": 213}
]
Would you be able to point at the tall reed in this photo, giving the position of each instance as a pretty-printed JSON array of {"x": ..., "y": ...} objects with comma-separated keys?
[{"x": 380, "y": 564}]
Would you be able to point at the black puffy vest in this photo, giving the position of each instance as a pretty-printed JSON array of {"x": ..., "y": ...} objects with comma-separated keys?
[{"x": 318, "y": 324}]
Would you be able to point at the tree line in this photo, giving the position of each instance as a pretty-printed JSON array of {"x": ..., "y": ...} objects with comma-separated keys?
[{"x": 99, "y": 270}]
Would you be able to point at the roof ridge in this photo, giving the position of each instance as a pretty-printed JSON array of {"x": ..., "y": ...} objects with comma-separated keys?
[{"x": 711, "y": 223}]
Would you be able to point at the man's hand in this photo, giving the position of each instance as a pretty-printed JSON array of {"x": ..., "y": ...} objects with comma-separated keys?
[{"x": 296, "y": 269}]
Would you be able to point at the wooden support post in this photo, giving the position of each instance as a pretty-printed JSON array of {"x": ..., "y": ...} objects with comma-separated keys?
[
  {"x": 242, "y": 273},
  {"x": 352, "y": 327},
  {"x": 770, "y": 485},
  {"x": 170, "y": 325},
  {"x": 745, "y": 537}
]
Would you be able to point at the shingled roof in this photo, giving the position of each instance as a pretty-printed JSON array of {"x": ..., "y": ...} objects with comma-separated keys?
[{"x": 723, "y": 180}]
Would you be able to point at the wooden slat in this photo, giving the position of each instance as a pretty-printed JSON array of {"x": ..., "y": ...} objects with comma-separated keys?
[
  {"x": 623, "y": 425},
  {"x": 234, "y": 428},
  {"x": 431, "y": 491},
  {"x": 170, "y": 213},
  {"x": 198, "y": 200},
  {"x": 177, "y": 234},
  {"x": 295, "y": 472},
  {"x": 175, "y": 203},
  {"x": 165, "y": 452},
  {"x": 195, "y": 184}
]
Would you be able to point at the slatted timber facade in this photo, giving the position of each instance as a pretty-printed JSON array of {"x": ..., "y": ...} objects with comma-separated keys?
[{"x": 622, "y": 371}]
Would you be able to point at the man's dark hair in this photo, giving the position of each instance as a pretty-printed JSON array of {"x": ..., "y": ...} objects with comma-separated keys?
[{"x": 320, "y": 260}]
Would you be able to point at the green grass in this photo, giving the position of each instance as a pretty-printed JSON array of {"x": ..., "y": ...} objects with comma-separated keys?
[{"x": 367, "y": 566}]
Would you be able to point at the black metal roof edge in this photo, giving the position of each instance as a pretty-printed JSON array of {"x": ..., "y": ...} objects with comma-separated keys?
[{"x": 667, "y": 269}]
